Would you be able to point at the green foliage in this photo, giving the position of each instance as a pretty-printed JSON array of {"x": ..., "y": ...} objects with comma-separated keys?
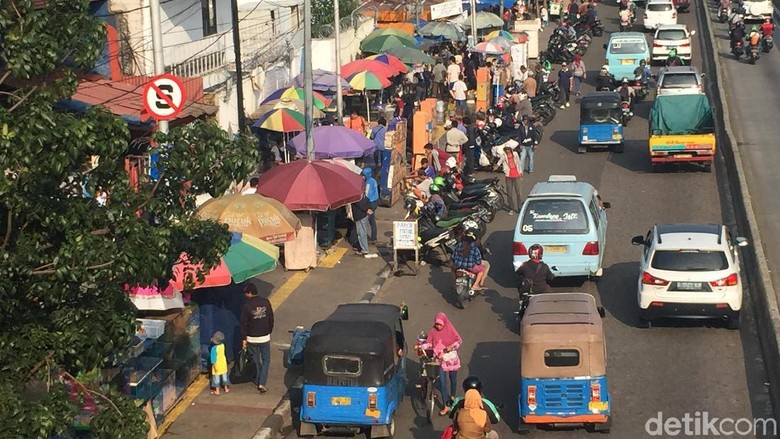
[
  {"x": 64, "y": 258},
  {"x": 322, "y": 15}
]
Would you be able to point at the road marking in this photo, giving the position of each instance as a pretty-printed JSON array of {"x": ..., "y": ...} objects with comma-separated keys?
[
  {"x": 332, "y": 259},
  {"x": 192, "y": 392},
  {"x": 279, "y": 296}
]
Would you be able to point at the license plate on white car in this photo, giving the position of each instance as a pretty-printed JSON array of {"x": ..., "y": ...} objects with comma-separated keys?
[{"x": 689, "y": 286}]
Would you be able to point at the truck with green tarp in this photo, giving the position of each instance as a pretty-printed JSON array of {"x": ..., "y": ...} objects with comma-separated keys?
[{"x": 682, "y": 129}]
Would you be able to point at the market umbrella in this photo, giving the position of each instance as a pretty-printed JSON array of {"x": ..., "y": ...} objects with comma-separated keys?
[
  {"x": 311, "y": 185},
  {"x": 319, "y": 100},
  {"x": 388, "y": 31},
  {"x": 418, "y": 22},
  {"x": 322, "y": 80},
  {"x": 254, "y": 215},
  {"x": 391, "y": 60},
  {"x": 410, "y": 55},
  {"x": 247, "y": 256},
  {"x": 383, "y": 42},
  {"x": 522, "y": 37},
  {"x": 367, "y": 65},
  {"x": 349, "y": 164},
  {"x": 154, "y": 298},
  {"x": 500, "y": 33},
  {"x": 282, "y": 120},
  {"x": 488, "y": 48},
  {"x": 485, "y": 20},
  {"x": 368, "y": 81},
  {"x": 335, "y": 141},
  {"x": 501, "y": 41},
  {"x": 443, "y": 29},
  {"x": 298, "y": 105}
]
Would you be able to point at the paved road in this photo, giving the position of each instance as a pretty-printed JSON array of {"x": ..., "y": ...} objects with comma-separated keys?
[{"x": 677, "y": 368}]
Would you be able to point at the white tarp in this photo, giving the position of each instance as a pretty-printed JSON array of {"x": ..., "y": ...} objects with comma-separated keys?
[{"x": 446, "y": 9}]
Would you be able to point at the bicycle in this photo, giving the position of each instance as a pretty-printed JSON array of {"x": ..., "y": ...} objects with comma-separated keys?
[{"x": 429, "y": 375}]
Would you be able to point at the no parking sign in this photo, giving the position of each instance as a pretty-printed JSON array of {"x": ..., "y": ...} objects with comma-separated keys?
[{"x": 164, "y": 97}]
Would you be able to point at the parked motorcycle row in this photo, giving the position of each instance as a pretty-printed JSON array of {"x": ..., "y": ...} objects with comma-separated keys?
[{"x": 565, "y": 42}]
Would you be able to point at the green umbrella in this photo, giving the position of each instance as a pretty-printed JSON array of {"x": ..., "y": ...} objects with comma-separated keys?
[
  {"x": 442, "y": 29},
  {"x": 387, "y": 31},
  {"x": 485, "y": 20},
  {"x": 381, "y": 43},
  {"x": 410, "y": 55}
]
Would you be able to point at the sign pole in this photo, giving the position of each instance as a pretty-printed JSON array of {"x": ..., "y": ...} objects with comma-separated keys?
[
  {"x": 239, "y": 67},
  {"x": 307, "y": 78},
  {"x": 157, "y": 49},
  {"x": 473, "y": 6},
  {"x": 337, "y": 37}
]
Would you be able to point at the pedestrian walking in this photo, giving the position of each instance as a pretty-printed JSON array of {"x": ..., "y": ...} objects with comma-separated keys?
[
  {"x": 455, "y": 139},
  {"x": 444, "y": 340},
  {"x": 579, "y": 73},
  {"x": 529, "y": 85},
  {"x": 378, "y": 136},
  {"x": 564, "y": 83},
  {"x": 439, "y": 79},
  {"x": 219, "y": 365},
  {"x": 545, "y": 16},
  {"x": 528, "y": 139},
  {"x": 360, "y": 213},
  {"x": 357, "y": 123},
  {"x": 513, "y": 176},
  {"x": 453, "y": 73},
  {"x": 458, "y": 93},
  {"x": 372, "y": 193},
  {"x": 469, "y": 148},
  {"x": 257, "y": 324}
]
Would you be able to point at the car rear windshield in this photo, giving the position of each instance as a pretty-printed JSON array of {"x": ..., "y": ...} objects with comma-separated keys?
[
  {"x": 660, "y": 7},
  {"x": 624, "y": 47},
  {"x": 679, "y": 81},
  {"x": 690, "y": 260},
  {"x": 561, "y": 358},
  {"x": 340, "y": 365},
  {"x": 547, "y": 217},
  {"x": 676, "y": 34}
]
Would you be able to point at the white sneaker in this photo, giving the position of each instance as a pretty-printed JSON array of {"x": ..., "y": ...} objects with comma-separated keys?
[
  {"x": 568, "y": 105},
  {"x": 370, "y": 255},
  {"x": 562, "y": 107}
]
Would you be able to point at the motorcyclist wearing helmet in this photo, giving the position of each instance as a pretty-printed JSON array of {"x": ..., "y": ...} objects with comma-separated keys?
[
  {"x": 754, "y": 37},
  {"x": 673, "y": 59},
  {"x": 767, "y": 28},
  {"x": 473, "y": 382},
  {"x": 605, "y": 80},
  {"x": 643, "y": 72},
  {"x": 468, "y": 256},
  {"x": 437, "y": 201},
  {"x": 737, "y": 34},
  {"x": 626, "y": 93},
  {"x": 536, "y": 271}
]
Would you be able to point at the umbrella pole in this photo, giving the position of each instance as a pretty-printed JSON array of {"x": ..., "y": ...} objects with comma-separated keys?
[{"x": 368, "y": 107}]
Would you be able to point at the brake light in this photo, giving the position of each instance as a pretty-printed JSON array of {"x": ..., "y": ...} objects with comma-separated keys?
[
  {"x": 518, "y": 249},
  {"x": 731, "y": 281},
  {"x": 649, "y": 279},
  {"x": 657, "y": 304},
  {"x": 657, "y": 45},
  {"x": 591, "y": 249},
  {"x": 531, "y": 395},
  {"x": 721, "y": 305},
  {"x": 595, "y": 392},
  {"x": 311, "y": 400},
  {"x": 372, "y": 401},
  {"x": 685, "y": 45}
]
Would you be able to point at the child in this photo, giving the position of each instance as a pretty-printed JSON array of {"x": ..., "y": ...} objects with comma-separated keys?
[
  {"x": 545, "y": 16},
  {"x": 219, "y": 367}
]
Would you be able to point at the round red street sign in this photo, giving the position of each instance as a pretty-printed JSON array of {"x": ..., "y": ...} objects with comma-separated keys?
[{"x": 164, "y": 97}]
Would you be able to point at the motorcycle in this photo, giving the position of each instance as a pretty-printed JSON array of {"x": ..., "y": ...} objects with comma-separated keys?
[
  {"x": 433, "y": 239},
  {"x": 737, "y": 49},
  {"x": 640, "y": 87},
  {"x": 723, "y": 16},
  {"x": 626, "y": 25},
  {"x": 626, "y": 114},
  {"x": 464, "y": 283},
  {"x": 525, "y": 298},
  {"x": 753, "y": 54},
  {"x": 767, "y": 42},
  {"x": 598, "y": 29}
]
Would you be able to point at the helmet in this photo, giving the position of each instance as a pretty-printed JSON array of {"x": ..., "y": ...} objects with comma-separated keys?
[
  {"x": 480, "y": 115},
  {"x": 605, "y": 67},
  {"x": 472, "y": 382},
  {"x": 470, "y": 226},
  {"x": 491, "y": 112},
  {"x": 672, "y": 53},
  {"x": 754, "y": 29},
  {"x": 438, "y": 181},
  {"x": 642, "y": 62},
  {"x": 535, "y": 252},
  {"x": 434, "y": 188},
  {"x": 625, "y": 80},
  {"x": 470, "y": 235}
]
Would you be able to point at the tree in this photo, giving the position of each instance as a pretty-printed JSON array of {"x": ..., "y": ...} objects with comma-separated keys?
[
  {"x": 65, "y": 258},
  {"x": 322, "y": 15}
]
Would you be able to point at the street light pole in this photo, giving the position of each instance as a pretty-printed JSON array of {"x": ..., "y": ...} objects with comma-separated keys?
[
  {"x": 157, "y": 49},
  {"x": 239, "y": 72},
  {"x": 337, "y": 36},
  {"x": 473, "y": 6},
  {"x": 307, "y": 78}
]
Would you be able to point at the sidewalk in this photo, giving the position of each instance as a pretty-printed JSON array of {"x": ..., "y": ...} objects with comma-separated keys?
[{"x": 298, "y": 298}]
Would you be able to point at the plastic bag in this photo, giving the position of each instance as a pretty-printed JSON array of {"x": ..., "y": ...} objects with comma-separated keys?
[
  {"x": 483, "y": 160},
  {"x": 243, "y": 370}
]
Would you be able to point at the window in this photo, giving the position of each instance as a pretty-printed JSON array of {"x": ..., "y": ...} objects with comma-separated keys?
[
  {"x": 555, "y": 217},
  {"x": 340, "y": 365},
  {"x": 672, "y": 34},
  {"x": 659, "y": 7},
  {"x": 561, "y": 358},
  {"x": 601, "y": 115},
  {"x": 685, "y": 80},
  {"x": 594, "y": 212},
  {"x": 690, "y": 260},
  {"x": 209, "y": 12},
  {"x": 634, "y": 46}
]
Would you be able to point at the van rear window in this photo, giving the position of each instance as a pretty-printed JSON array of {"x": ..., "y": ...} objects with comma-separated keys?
[
  {"x": 634, "y": 46},
  {"x": 341, "y": 365},
  {"x": 547, "y": 217},
  {"x": 561, "y": 358}
]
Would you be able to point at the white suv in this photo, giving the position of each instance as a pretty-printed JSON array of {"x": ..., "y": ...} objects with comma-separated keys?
[
  {"x": 658, "y": 12},
  {"x": 689, "y": 271}
]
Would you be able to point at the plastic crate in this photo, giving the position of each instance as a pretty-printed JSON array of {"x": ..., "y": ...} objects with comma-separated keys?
[
  {"x": 153, "y": 329},
  {"x": 139, "y": 377}
]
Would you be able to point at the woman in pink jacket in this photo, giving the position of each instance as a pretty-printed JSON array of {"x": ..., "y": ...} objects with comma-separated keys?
[{"x": 445, "y": 341}]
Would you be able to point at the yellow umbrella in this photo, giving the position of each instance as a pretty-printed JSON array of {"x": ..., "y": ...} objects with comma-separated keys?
[{"x": 253, "y": 214}]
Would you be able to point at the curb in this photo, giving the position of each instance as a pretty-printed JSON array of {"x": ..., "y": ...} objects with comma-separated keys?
[
  {"x": 757, "y": 270},
  {"x": 380, "y": 280}
]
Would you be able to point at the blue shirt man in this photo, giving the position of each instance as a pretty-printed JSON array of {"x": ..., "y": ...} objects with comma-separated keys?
[{"x": 372, "y": 194}]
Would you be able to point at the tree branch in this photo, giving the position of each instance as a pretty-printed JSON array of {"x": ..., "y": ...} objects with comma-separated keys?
[
  {"x": 90, "y": 391},
  {"x": 43, "y": 271},
  {"x": 24, "y": 98},
  {"x": 8, "y": 227},
  {"x": 5, "y": 76},
  {"x": 151, "y": 195},
  {"x": 100, "y": 232}
]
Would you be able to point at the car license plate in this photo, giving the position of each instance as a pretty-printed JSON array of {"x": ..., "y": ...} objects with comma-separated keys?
[
  {"x": 689, "y": 286},
  {"x": 556, "y": 248},
  {"x": 341, "y": 400},
  {"x": 599, "y": 406},
  {"x": 684, "y": 156},
  {"x": 627, "y": 62}
]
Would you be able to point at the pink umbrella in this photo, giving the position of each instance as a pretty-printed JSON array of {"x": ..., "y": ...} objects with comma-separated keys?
[{"x": 152, "y": 298}]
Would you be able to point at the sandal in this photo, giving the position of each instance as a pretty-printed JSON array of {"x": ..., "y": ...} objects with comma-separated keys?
[
  {"x": 444, "y": 411},
  {"x": 262, "y": 389},
  {"x": 215, "y": 393}
]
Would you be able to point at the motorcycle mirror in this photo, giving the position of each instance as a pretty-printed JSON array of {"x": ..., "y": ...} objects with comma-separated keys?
[
  {"x": 606, "y": 204},
  {"x": 693, "y": 32},
  {"x": 602, "y": 311},
  {"x": 554, "y": 268},
  {"x": 605, "y": 47}
]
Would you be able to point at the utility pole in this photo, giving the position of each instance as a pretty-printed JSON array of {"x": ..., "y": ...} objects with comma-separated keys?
[
  {"x": 157, "y": 49},
  {"x": 307, "y": 78},
  {"x": 501, "y": 8},
  {"x": 473, "y": 6},
  {"x": 239, "y": 70},
  {"x": 337, "y": 27}
]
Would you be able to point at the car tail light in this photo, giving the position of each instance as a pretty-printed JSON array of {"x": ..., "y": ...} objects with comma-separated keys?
[
  {"x": 518, "y": 249},
  {"x": 372, "y": 401},
  {"x": 721, "y": 305},
  {"x": 649, "y": 279},
  {"x": 657, "y": 45},
  {"x": 731, "y": 281},
  {"x": 656, "y": 304},
  {"x": 591, "y": 249},
  {"x": 531, "y": 395},
  {"x": 685, "y": 45},
  {"x": 595, "y": 392},
  {"x": 311, "y": 400}
]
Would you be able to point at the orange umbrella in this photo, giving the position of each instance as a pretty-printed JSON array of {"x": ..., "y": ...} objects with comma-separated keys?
[
  {"x": 375, "y": 67},
  {"x": 390, "y": 60},
  {"x": 253, "y": 214}
]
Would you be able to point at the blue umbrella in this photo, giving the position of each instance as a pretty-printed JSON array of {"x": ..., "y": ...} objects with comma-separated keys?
[{"x": 418, "y": 22}]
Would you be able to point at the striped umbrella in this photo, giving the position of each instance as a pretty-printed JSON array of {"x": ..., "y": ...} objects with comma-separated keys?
[
  {"x": 298, "y": 105},
  {"x": 282, "y": 120},
  {"x": 319, "y": 100},
  {"x": 488, "y": 48},
  {"x": 500, "y": 33},
  {"x": 410, "y": 55},
  {"x": 366, "y": 80},
  {"x": 367, "y": 65},
  {"x": 501, "y": 41},
  {"x": 392, "y": 61}
]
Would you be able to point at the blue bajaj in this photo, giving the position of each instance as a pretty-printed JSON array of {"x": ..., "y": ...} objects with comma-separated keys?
[
  {"x": 601, "y": 121},
  {"x": 563, "y": 375},
  {"x": 354, "y": 371}
]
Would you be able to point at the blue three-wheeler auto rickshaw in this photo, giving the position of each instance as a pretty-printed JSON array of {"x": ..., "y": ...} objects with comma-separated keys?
[
  {"x": 601, "y": 121},
  {"x": 563, "y": 364},
  {"x": 354, "y": 371}
]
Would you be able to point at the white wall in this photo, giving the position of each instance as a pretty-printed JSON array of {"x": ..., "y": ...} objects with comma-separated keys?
[{"x": 324, "y": 49}]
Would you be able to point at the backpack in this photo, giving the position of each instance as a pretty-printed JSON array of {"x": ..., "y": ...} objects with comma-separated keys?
[
  {"x": 526, "y": 285},
  {"x": 297, "y": 345}
]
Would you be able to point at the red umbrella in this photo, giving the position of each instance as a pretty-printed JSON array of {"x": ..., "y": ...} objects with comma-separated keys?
[
  {"x": 376, "y": 67},
  {"x": 311, "y": 185},
  {"x": 390, "y": 60}
]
